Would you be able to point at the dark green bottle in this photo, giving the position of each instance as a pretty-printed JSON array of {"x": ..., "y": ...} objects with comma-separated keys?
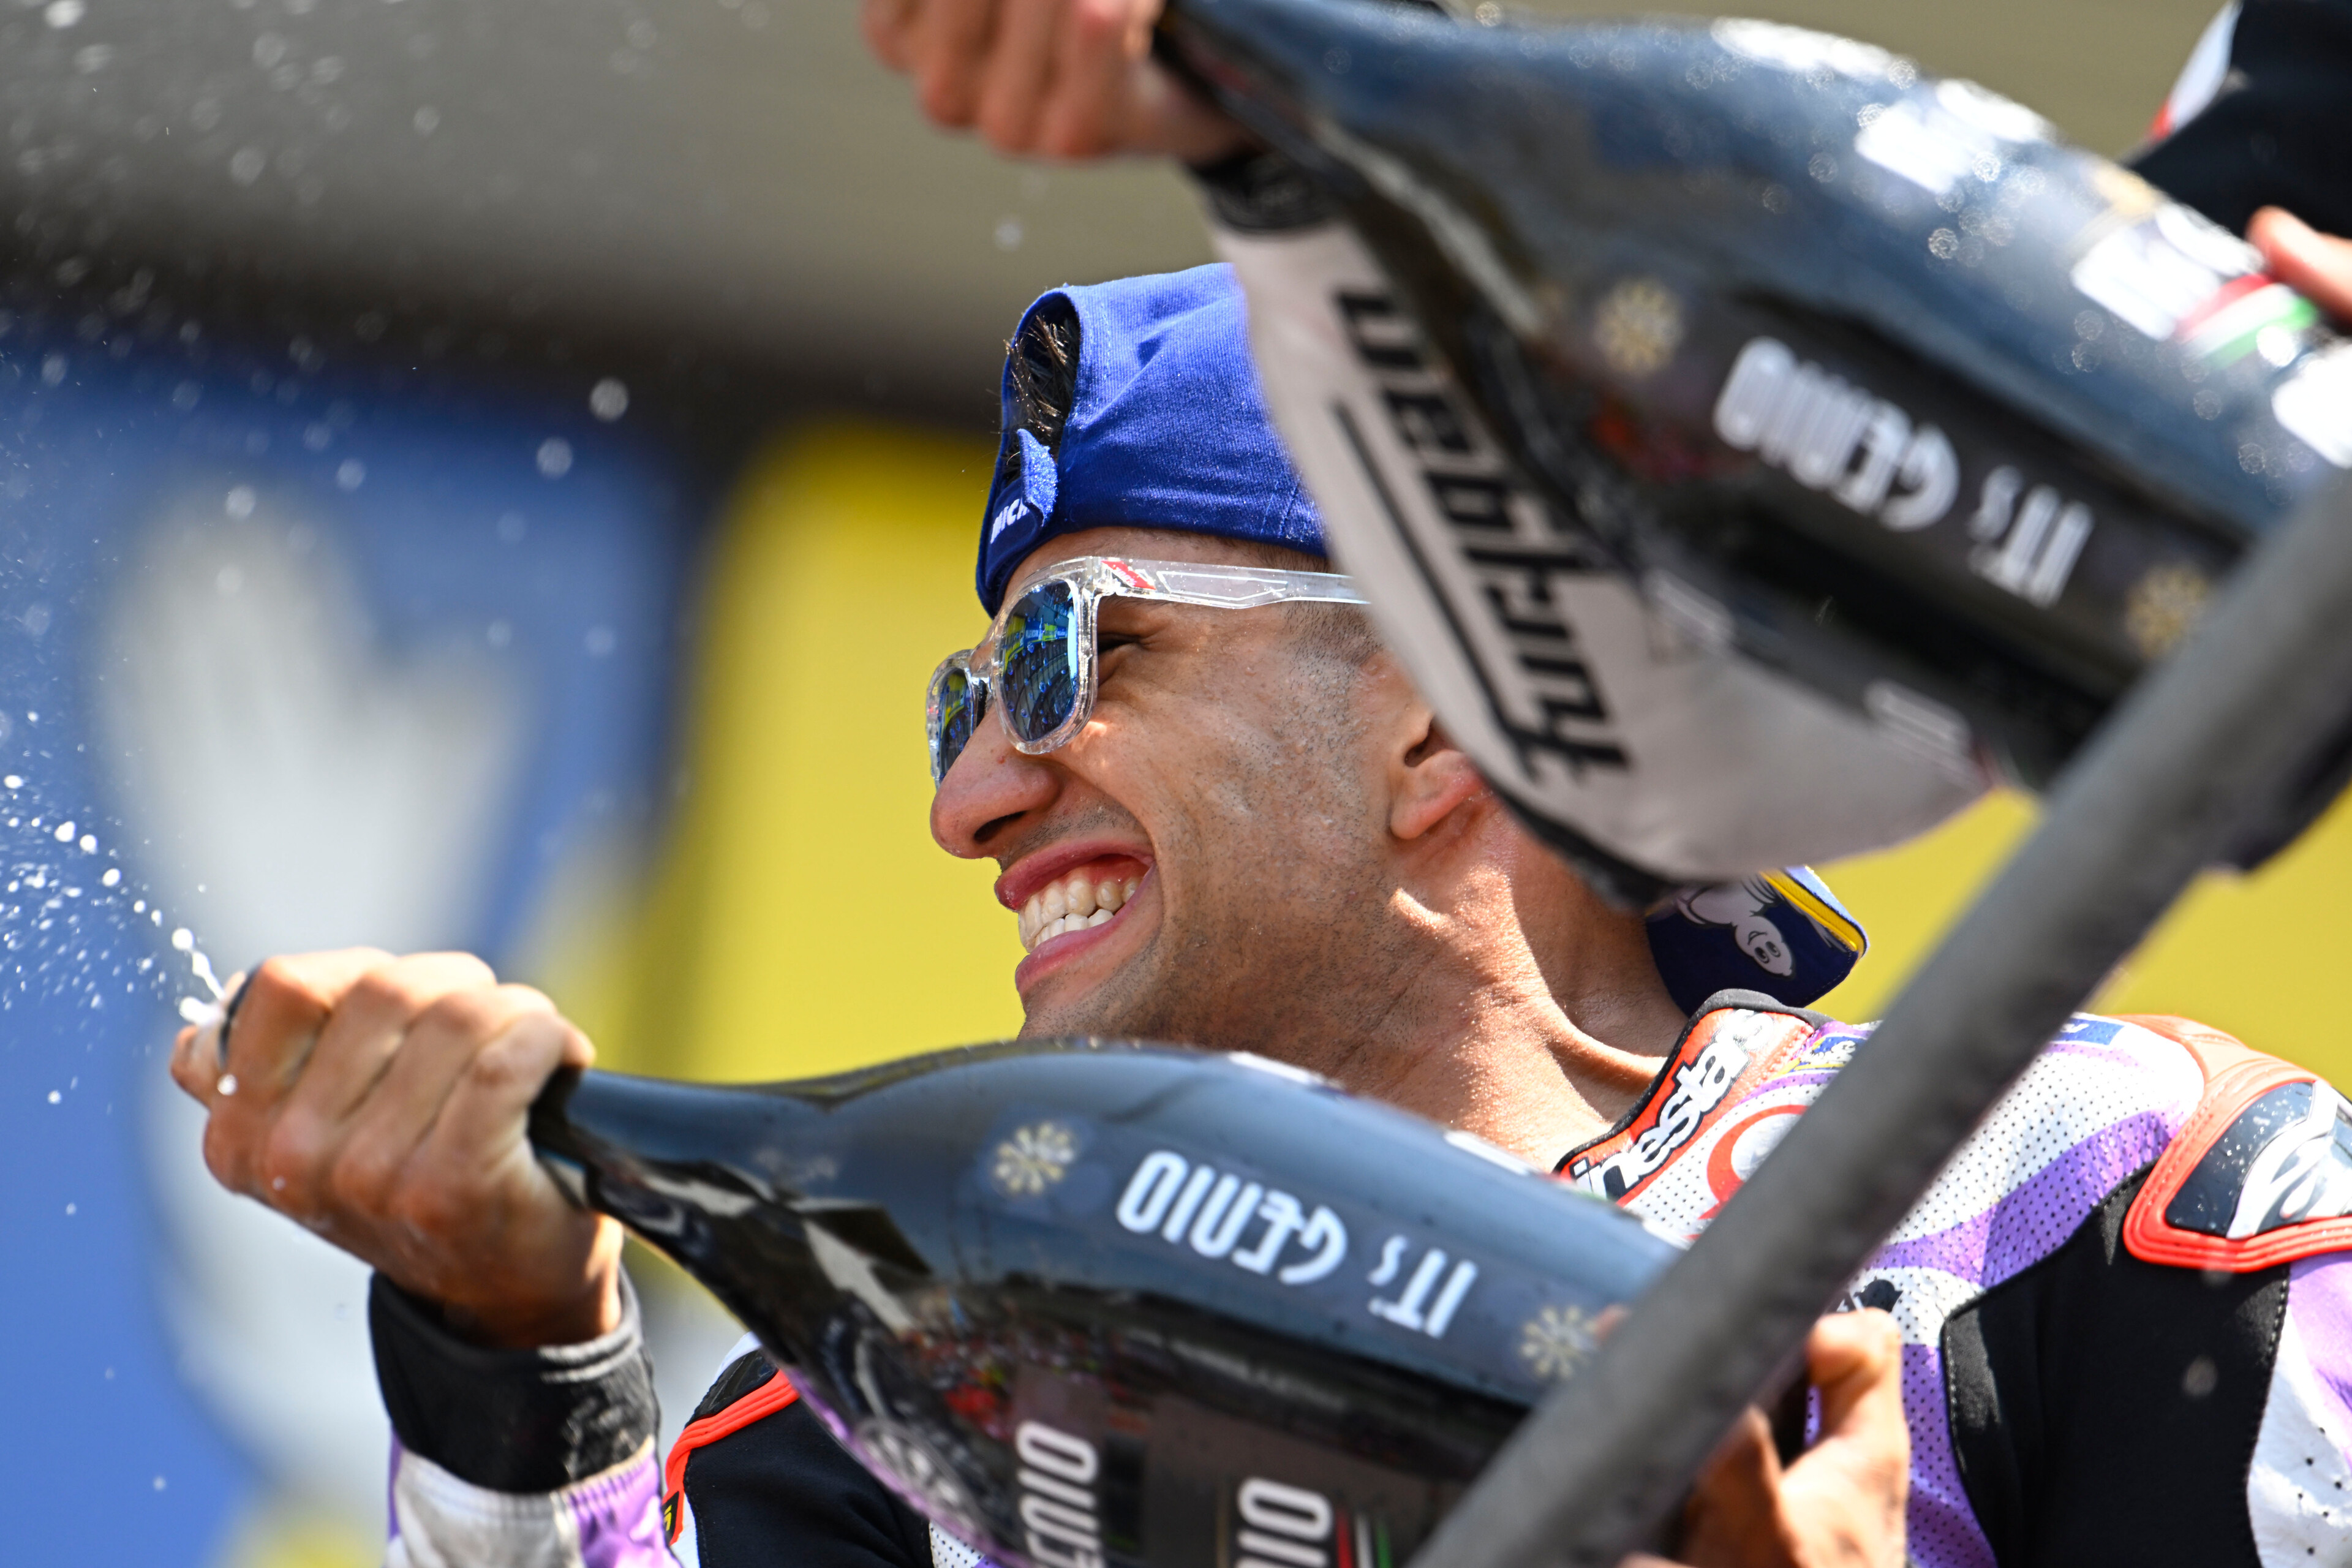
[
  {"x": 1754, "y": 446},
  {"x": 1090, "y": 1304}
]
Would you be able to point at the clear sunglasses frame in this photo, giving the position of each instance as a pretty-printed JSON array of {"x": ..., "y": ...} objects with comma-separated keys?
[{"x": 1092, "y": 579}]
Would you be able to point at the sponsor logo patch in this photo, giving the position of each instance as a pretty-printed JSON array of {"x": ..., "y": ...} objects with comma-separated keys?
[
  {"x": 1212, "y": 1212},
  {"x": 1700, "y": 1085}
]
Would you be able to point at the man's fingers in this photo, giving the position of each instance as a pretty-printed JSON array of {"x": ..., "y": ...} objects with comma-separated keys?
[
  {"x": 485, "y": 1122},
  {"x": 889, "y": 29},
  {"x": 280, "y": 1010},
  {"x": 1733, "y": 1517},
  {"x": 349, "y": 1005},
  {"x": 2316, "y": 266},
  {"x": 372, "y": 1154},
  {"x": 1013, "y": 84},
  {"x": 1847, "y": 1494},
  {"x": 1096, "y": 53},
  {"x": 949, "y": 48},
  {"x": 1166, "y": 116},
  {"x": 1855, "y": 1359},
  {"x": 369, "y": 1021}
]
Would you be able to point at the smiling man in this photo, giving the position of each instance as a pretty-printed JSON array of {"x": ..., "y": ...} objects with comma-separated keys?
[{"x": 1222, "y": 817}]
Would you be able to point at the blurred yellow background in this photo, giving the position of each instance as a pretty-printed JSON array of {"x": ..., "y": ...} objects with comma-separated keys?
[
  {"x": 801, "y": 921},
  {"x": 2251, "y": 955}
]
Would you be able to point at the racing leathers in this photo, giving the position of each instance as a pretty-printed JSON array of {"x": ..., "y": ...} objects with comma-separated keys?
[{"x": 2125, "y": 1307}]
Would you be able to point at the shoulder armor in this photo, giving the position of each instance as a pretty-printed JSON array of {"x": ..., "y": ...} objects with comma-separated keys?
[
  {"x": 750, "y": 1390},
  {"x": 2260, "y": 1175}
]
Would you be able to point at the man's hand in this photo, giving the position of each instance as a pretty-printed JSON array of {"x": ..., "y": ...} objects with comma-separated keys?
[
  {"x": 1840, "y": 1504},
  {"x": 1052, "y": 79},
  {"x": 380, "y": 1102},
  {"x": 2316, "y": 266}
]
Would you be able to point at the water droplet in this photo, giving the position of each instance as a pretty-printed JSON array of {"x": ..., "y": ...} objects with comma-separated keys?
[
  {"x": 53, "y": 370},
  {"x": 113, "y": 876},
  {"x": 555, "y": 456},
  {"x": 608, "y": 399},
  {"x": 511, "y": 528},
  {"x": 70, "y": 1209},
  {"x": 14, "y": 780},
  {"x": 427, "y": 120},
  {"x": 1008, "y": 234},
  {"x": 227, "y": 1084},
  {"x": 349, "y": 474},
  {"x": 62, "y": 14},
  {"x": 239, "y": 502},
  {"x": 55, "y": 1097},
  {"x": 183, "y": 939},
  {"x": 247, "y": 164},
  {"x": 599, "y": 641},
  {"x": 66, "y": 831},
  {"x": 499, "y": 635},
  {"x": 159, "y": 1481},
  {"x": 90, "y": 843}
]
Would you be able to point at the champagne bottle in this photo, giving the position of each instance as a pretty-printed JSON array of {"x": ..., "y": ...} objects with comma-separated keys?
[
  {"x": 1089, "y": 1304},
  {"x": 1752, "y": 444}
]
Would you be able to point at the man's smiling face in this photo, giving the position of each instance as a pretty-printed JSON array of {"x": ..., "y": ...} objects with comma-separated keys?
[{"x": 1227, "y": 794}]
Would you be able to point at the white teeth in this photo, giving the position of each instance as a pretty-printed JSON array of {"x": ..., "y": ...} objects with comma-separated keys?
[{"x": 1077, "y": 903}]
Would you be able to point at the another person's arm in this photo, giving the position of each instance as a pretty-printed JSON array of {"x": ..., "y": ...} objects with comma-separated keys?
[
  {"x": 2317, "y": 266},
  {"x": 1046, "y": 78}
]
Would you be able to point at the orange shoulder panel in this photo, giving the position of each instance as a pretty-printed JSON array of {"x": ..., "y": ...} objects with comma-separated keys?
[{"x": 2295, "y": 1149}]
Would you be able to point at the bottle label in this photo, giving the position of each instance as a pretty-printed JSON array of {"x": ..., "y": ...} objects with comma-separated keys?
[{"x": 1618, "y": 714}]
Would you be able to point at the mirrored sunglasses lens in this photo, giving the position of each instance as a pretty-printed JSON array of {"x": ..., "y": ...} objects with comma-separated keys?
[
  {"x": 955, "y": 707},
  {"x": 1037, "y": 671}
]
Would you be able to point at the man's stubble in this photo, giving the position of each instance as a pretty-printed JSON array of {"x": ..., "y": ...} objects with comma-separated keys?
[{"x": 1281, "y": 939}]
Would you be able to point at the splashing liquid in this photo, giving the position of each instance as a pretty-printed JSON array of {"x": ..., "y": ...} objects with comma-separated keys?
[
  {"x": 63, "y": 933},
  {"x": 196, "y": 1010}
]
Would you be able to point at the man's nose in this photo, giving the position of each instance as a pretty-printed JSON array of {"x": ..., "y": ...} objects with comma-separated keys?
[{"x": 987, "y": 787}]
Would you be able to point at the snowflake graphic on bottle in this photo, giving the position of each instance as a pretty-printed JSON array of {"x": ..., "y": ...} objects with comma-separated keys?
[{"x": 1032, "y": 1159}]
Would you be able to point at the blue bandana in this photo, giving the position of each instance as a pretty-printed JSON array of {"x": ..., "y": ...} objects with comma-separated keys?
[{"x": 1169, "y": 428}]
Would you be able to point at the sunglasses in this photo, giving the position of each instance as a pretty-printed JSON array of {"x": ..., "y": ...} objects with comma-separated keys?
[{"x": 1039, "y": 654}]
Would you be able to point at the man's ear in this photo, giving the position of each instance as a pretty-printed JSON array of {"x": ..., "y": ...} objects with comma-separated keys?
[{"x": 1430, "y": 778}]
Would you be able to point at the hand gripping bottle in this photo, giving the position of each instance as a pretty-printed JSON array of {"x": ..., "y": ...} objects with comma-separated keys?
[
  {"x": 1091, "y": 1304},
  {"x": 1753, "y": 445}
]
